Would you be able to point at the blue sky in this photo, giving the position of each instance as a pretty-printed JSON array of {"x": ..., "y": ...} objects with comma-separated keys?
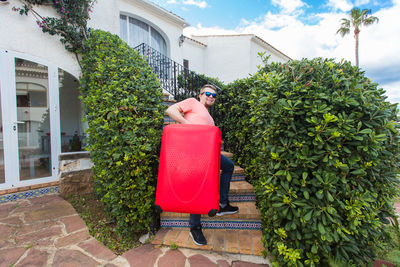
[{"x": 305, "y": 29}]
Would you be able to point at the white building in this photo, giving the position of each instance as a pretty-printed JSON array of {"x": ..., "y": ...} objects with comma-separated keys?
[{"x": 40, "y": 112}]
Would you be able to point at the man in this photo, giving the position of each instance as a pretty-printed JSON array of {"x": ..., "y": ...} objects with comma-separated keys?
[{"x": 191, "y": 111}]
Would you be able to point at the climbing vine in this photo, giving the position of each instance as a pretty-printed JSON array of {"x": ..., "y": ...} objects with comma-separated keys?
[{"x": 71, "y": 25}]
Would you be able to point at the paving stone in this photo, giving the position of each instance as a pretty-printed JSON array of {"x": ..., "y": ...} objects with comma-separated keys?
[
  {"x": 34, "y": 237},
  {"x": 71, "y": 239},
  {"x": 34, "y": 227},
  {"x": 34, "y": 257},
  {"x": 144, "y": 256},
  {"x": 73, "y": 258},
  {"x": 5, "y": 231},
  {"x": 247, "y": 264},
  {"x": 73, "y": 223},
  {"x": 14, "y": 220},
  {"x": 6, "y": 209},
  {"x": 172, "y": 258},
  {"x": 47, "y": 199},
  {"x": 200, "y": 261},
  {"x": 223, "y": 263},
  {"x": 10, "y": 256},
  {"x": 98, "y": 250},
  {"x": 51, "y": 211},
  {"x": 6, "y": 244}
]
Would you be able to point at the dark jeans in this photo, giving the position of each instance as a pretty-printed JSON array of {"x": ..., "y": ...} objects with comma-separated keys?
[{"x": 225, "y": 180}]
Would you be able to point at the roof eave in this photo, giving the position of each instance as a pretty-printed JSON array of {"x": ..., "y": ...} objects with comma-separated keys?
[{"x": 163, "y": 11}]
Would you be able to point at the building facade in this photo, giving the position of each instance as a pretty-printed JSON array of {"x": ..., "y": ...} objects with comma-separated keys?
[{"x": 40, "y": 112}]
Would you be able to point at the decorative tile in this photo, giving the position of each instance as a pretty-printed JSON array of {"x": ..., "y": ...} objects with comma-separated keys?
[
  {"x": 29, "y": 194},
  {"x": 242, "y": 198},
  {"x": 238, "y": 177},
  {"x": 250, "y": 225}
]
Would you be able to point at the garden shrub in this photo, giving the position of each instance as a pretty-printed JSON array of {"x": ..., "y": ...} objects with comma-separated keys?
[
  {"x": 322, "y": 145},
  {"x": 124, "y": 111}
]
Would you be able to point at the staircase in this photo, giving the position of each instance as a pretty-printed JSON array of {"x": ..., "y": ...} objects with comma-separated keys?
[{"x": 237, "y": 233}]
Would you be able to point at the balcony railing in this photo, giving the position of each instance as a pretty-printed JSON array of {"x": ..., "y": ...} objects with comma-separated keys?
[{"x": 174, "y": 77}]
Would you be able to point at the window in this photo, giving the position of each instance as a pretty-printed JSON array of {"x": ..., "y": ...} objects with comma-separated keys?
[{"x": 137, "y": 32}]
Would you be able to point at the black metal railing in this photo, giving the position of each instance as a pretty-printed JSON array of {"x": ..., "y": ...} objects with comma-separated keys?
[{"x": 174, "y": 77}]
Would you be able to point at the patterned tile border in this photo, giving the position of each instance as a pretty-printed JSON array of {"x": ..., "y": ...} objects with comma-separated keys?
[
  {"x": 238, "y": 177},
  {"x": 242, "y": 198},
  {"x": 29, "y": 194},
  {"x": 240, "y": 225}
]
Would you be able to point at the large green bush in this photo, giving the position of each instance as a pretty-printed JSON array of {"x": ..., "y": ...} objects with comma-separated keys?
[
  {"x": 123, "y": 103},
  {"x": 321, "y": 145}
]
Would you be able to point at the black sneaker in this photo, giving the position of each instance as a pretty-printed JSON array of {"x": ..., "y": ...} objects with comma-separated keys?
[
  {"x": 227, "y": 210},
  {"x": 197, "y": 236}
]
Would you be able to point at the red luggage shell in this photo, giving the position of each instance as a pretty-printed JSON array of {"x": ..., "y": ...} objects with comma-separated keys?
[{"x": 189, "y": 170}]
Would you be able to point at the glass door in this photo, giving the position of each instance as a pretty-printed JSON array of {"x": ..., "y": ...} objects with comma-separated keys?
[
  {"x": 2, "y": 175},
  {"x": 30, "y": 127},
  {"x": 33, "y": 119}
]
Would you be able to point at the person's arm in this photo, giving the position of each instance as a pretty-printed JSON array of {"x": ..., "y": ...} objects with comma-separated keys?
[{"x": 175, "y": 113}]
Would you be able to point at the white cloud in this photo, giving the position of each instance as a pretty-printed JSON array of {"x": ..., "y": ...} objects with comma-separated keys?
[
  {"x": 171, "y": 2},
  {"x": 379, "y": 51},
  {"x": 361, "y": 2},
  {"x": 342, "y": 5},
  {"x": 200, "y": 4},
  {"x": 392, "y": 91},
  {"x": 200, "y": 30},
  {"x": 289, "y": 6}
]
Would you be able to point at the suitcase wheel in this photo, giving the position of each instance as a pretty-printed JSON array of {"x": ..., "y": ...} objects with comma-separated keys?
[
  {"x": 212, "y": 213},
  {"x": 158, "y": 209}
]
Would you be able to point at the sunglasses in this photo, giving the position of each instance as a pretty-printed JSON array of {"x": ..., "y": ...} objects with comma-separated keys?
[{"x": 214, "y": 95}]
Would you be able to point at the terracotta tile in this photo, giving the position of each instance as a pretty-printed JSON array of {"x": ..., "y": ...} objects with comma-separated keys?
[
  {"x": 245, "y": 242},
  {"x": 232, "y": 241},
  {"x": 258, "y": 246},
  {"x": 159, "y": 237},
  {"x": 182, "y": 238},
  {"x": 171, "y": 236},
  {"x": 219, "y": 240}
]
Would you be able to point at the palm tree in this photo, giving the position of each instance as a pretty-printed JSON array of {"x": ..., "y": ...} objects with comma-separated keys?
[{"x": 357, "y": 19}]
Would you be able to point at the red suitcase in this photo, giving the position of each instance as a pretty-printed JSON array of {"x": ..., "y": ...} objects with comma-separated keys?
[{"x": 188, "y": 175}]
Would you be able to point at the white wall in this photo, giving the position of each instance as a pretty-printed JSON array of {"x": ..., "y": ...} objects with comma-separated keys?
[
  {"x": 232, "y": 57},
  {"x": 195, "y": 53},
  {"x": 227, "y": 57},
  {"x": 22, "y": 34}
]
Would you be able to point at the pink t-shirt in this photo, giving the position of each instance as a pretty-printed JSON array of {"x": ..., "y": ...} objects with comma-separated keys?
[{"x": 195, "y": 112}]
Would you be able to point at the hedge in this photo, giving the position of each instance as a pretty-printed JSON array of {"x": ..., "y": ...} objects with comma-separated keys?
[
  {"x": 124, "y": 111},
  {"x": 320, "y": 143}
]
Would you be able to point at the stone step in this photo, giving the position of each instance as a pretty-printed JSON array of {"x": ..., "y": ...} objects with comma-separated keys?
[
  {"x": 247, "y": 211},
  {"x": 227, "y": 154},
  {"x": 241, "y": 187},
  {"x": 245, "y": 242}
]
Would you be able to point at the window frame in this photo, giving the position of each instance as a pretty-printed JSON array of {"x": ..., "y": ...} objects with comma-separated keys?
[{"x": 150, "y": 28}]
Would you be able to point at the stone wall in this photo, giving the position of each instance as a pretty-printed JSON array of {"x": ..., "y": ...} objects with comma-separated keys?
[{"x": 75, "y": 175}]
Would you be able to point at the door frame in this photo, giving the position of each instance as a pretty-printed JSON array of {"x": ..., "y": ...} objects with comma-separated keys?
[{"x": 9, "y": 117}]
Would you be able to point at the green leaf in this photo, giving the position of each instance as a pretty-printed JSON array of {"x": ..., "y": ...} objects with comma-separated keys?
[
  {"x": 320, "y": 194},
  {"x": 307, "y": 217},
  {"x": 321, "y": 228}
]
